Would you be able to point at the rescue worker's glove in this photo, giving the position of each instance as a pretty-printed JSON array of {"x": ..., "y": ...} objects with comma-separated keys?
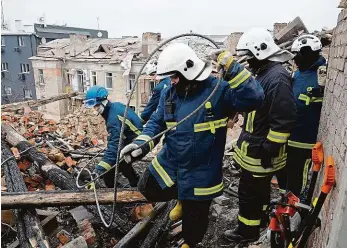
[
  {"x": 224, "y": 59},
  {"x": 270, "y": 150},
  {"x": 131, "y": 153}
]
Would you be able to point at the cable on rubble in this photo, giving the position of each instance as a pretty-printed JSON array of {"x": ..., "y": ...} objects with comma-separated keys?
[{"x": 118, "y": 160}]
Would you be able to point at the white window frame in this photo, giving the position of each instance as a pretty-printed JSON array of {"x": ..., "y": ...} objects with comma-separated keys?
[
  {"x": 8, "y": 93},
  {"x": 92, "y": 76},
  {"x": 21, "y": 42},
  {"x": 30, "y": 92},
  {"x": 106, "y": 77},
  {"x": 4, "y": 66},
  {"x": 41, "y": 78},
  {"x": 24, "y": 68},
  {"x": 131, "y": 81},
  {"x": 3, "y": 41}
]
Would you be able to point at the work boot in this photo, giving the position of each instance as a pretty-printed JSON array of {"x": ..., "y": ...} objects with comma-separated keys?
[
  {"x": 234, "y": 235},
  {"x": 176, "y": 212}
]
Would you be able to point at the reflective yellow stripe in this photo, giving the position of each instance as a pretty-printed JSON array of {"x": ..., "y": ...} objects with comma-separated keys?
[
  {"x": 250, "y": 121},
  {"x": 304, "y": 98},
  {"x": 249, "y": 222},
  {"x": 241, "y": 160},
  {"x": 264, "y": 207},
  {"x": 228, "y": 63},
  {"x": 290, "y": 245},
  {"x": 209, "y": 191},
  {"x": 308, "y": 99},
  {"x": 305, "y": 174},
  {"x": 317, "y": 99},
  {"x": 282, "y": 151},
  {"x": 105, "y": 165},
  {"x": 146, "y": 138},
  {"x": 277, "y": 136},
  {"x": 211, "y": 125},
  {"x": 257, "y": 161},
  {"x": 162, "y": 173},
  {"x": 239, "y": 79},
  {"x": 300, "y": 145},
  {"x": 244, "y": 147},
  {"x": 314, "y": 202},
  {"x": 129, "y": 124},
  {"x": 170, "y": 124},
  {"x": 282, "y": 191}
]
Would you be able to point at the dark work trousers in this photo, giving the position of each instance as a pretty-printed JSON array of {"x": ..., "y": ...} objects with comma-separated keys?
[
  {"x": 254, "y": 193},
  {"x": 194, "y": 213},
  {"x": 127, "y": 170},
  {"x": 295, "y": 175}
]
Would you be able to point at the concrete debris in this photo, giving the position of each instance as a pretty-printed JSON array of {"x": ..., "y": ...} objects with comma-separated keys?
[
  {"x": 221, "y": 200},
  {"x": 80, "y": 213}
]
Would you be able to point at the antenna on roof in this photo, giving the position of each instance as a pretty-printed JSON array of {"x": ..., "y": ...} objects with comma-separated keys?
[{"x": 99, "y": 33}]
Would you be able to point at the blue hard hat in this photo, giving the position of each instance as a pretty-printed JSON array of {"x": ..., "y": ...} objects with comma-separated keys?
[{"x": 95, "y": 95}]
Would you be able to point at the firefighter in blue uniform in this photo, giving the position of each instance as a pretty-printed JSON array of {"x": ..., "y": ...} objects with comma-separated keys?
[
  {"x": 261, "y": 147},
  {"x": 154, "y": 100},
  {"x": 308, "y": 98},
  {"x": 113, "y": 113},
  {"x": 189, "y": 166}
]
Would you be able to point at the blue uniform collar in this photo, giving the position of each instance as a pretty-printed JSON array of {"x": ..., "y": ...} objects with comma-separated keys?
[{"x": 107, "y": 110}]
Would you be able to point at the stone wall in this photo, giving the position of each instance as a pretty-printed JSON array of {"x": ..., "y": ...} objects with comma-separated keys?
[{"x": 333, "y": 134}]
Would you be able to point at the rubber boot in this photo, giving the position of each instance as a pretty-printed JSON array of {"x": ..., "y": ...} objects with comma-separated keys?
[
  {"x": 176, "y": 212},
  {"x": 234, "y": 235}
]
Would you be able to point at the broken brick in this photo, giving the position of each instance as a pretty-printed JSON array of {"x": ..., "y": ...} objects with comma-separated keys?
[
  {"x": 63, "y": 237},
  {"x": 141, "y": 212},
  {"x": 70, "y": 162},
  {"x": 90, "y": 237},
  {"x": 30, "y": 182},
  {"x": 70, "y": 170},
  {"x": 51, "y": 122},
  {"x": 24, "y": 165},
  {"x": 37, "y": 178},
  {"x": 95, "y": 142},
  {"x": 49, "y": 187},
  {"x": 15, "y": 152},
  {"x": 44, "y": 130}
]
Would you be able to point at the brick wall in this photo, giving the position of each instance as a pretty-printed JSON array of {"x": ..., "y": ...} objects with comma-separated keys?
[{"x": 333, "y": 134}]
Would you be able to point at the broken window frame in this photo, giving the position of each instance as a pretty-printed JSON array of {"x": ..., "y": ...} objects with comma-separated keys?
[
  {"x": 131, "y": 81},
  {"x": 81, "y": 80},
  {"x": 108, "y": 76},
  {"x": 4, "y": 66},
  {"x": 93, "y": 78},
  {"x": 24, "y": 68},
  {"x": 28, "y": 94},
  {"x": 21, "y": 42},
  {"x": 8, "y": 91}
]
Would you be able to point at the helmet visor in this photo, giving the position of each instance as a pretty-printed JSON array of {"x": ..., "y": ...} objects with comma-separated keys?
[{"x": 90, "y": 103}]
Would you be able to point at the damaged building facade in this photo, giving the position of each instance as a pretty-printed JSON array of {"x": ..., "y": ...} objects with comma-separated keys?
[{"x": 77, "y": 63}]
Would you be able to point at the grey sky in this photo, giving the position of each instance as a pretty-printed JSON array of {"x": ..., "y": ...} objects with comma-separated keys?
[{"x": 170, "y": 17}]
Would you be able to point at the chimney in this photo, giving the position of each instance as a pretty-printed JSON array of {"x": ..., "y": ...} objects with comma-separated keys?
[
  {"x": 149, "y": 42},
  {"x": 18, "y": 25}
]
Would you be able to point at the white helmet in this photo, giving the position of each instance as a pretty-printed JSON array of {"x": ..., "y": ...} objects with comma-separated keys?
[
  {"x": 259, "y": 42},
  {"x": 180, "y": 57},
  {"x": 305, "y": 41}
]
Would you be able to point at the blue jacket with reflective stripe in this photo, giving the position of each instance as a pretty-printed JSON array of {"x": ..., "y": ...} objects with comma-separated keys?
[
  {"x": 154, "y": 101},
  {"x": 308, "y": 108},
  {"x": 113, "y": 113},
  {"x": 192, "y": 154}
]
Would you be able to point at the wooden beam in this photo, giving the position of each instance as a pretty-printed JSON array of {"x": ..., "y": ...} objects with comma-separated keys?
[
  {"x": 36, "y": 103},
  {"x": 66, "y": 198}
]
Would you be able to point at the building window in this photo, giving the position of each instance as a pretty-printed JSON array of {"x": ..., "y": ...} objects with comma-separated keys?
[
  {"x": 4, "y": 66},
  {"x": 81, "y": 80},
  {"x": 41, "y": 81},
  {"x": 131, "y": 82},
  {"x": 2, "y": 41},
  {"x": 8, "y": 91},
  {"x": 108, "y": 81},
  {"x": 21, "y": 41},
  {"x": 28, "y": 94},
  {"x": 93, "y": 77},
  {"x": 24, "y": 68}
]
